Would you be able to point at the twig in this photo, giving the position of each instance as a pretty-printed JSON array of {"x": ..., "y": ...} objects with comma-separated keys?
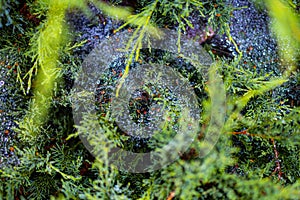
[
  {"x": 277, "y": 161},
  {"x": 171, "y": 195},
  {"x": 245, "y": 132}
]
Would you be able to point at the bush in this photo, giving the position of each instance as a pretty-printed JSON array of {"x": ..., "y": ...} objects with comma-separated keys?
[{"x": 256, "y": 156}]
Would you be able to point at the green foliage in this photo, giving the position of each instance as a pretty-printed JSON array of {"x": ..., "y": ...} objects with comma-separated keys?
[
  {"x": 175, "y": 12},
  {"x": 256, "y": 156},
  {"x": 287, "y": 30}
]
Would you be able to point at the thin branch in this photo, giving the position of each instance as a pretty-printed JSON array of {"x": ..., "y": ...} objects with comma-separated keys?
[
  {"x": 245, "y": 132},
  {"x": 277, "y": 161}
]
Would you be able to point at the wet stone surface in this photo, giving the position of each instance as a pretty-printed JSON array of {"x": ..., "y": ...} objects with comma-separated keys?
[
  {"x": 250, "y": 29},
  {"x": 10, "y": 103},
  {"x": 93, "y": 29},
  {"x": 147, "y": 101}
]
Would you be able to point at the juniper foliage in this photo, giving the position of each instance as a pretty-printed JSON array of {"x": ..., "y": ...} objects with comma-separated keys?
[{"x": 257, "y": 154}]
